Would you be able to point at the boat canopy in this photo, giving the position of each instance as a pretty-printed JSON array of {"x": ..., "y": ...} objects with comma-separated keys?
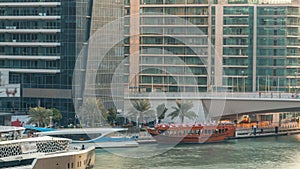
[{"x": 38, "y": 129}]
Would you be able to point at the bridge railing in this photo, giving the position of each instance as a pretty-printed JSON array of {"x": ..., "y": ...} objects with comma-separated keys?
[{"x": 194, "y": 95}]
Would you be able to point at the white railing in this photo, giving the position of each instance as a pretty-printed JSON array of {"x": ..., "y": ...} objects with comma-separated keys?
[{"x": 192, "y": 95}]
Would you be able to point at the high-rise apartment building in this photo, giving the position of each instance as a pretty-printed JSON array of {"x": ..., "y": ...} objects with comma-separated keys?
[
  {"x": 232, "y": 45},
  {"x": 169, "y": 45},
  {"x": 37, "y": 54}
]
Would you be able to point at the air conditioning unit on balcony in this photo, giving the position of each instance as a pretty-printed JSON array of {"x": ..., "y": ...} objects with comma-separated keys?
[{"x": 14, "y": 40}]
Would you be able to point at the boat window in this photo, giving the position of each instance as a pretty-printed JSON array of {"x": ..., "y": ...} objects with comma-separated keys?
[
  {"x": 68, "y": 165},
  {"x": 16, "y": 163},
  {"x": 78, "y": 137},
  {"x": 72, "y": 165}
]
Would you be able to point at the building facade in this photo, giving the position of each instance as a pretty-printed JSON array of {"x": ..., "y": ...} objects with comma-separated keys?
[
  {"x": 243, "y": 45},
  {"x": 169, "y": 46},
  {"x": 37, "y": 42}
]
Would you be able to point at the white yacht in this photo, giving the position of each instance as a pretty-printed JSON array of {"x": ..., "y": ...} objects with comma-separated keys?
[
  {"x": 97, "y": 137},
  {"x": 44, "y": 153}
]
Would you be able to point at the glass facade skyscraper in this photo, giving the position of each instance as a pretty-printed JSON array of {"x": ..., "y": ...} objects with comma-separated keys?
[
  {"x": 169, "y": 46},
  {"x": 37, "y": 42}
]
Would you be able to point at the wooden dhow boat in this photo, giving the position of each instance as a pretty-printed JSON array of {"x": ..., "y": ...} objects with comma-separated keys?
[{"x": 197, "y": 133}]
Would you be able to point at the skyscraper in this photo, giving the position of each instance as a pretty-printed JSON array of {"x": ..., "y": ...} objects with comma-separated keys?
[
  {"x": 245, "y": 46},
  {"x": 37, "y": 54}
]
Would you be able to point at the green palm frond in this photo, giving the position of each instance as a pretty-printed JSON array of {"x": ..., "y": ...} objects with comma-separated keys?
[
  {"x": 161, "y": 111},
  {"x": 40, "y": 115},
  {"x": 141, "y": 108},
  {"x": 182, "y": 110}
]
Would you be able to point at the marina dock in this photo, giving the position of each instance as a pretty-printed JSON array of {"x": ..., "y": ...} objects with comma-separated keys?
[{"x": 265, "y": 132}]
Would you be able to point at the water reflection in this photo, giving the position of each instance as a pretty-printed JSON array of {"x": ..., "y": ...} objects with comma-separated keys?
[{"x": 262, "y": 153}]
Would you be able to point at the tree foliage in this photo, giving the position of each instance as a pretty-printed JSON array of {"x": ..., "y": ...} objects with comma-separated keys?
[
  {"x": 182, "y": 110},
  {"x": 111, "y": 116},
  {"x": 141, "y": 108},
  {"x": 92, "y": 112},
  {"x": 161, "y": 111},
  {"x": 56, "y": 115},
  {"x": 40, "y": 116}
]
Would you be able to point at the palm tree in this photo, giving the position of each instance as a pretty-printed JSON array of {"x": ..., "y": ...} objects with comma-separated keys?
[
  {"x": 91, "y": 112},
  {"x": 161, "y": 112},
  {"x": 56, "y": 115},
  {"x": 183, "y": 110},
  {"x": 141, "y": 108},
  {"x": 40, "y": 115}
]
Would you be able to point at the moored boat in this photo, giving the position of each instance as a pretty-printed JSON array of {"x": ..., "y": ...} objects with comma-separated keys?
[
  {"x": 44, "y": 152},
  {"x": 97, "y": 137},
  {"x": 197, "y": 133}
]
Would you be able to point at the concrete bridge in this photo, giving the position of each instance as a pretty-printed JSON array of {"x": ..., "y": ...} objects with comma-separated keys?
[{"x": 226, "y": 104}]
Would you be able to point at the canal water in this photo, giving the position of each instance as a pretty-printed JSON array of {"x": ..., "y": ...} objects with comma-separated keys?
[{"x": 282, "y": 152}]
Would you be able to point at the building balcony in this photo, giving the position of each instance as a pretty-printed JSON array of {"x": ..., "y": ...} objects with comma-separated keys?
[
  {"x": 266, "y": 36},
  {"x": 232, "y": 35},
  {"x": 236, "y": 25},
  {"x": 235, "y": 66},
  {"x": 46, "y": 71},
  {"x": 292, "y": 66},
  {"x": 183, "y": 64},
  {"x": 235, "y": 56},
  {"x": 270, "y": 46},
  {"x": 29, "y": 4},
  {"x": 176, "y": 45},
  {"x": 29, "y": 17},
  {"x": 174, "y": 5},
  {"x": 45, "y": 44},
  {"x": 235, "y": 46},
  {"x": 167, "y": 15},
  {"x": 293, "y": 26},
  {"x": 164, "y": 25},
  {"x": 293, "y": 46},
  {"x": 173, "y": 35},
  {"x": 175, "y": 55},
  {"x": 293, "y": 35},
  {"x": 236, "y": 15},
  {"x": 13, "y": 29},
  {"x": 26, "y": 57}
]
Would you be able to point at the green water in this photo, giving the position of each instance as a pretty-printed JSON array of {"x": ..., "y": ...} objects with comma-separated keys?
[{"x": 259, "y": 153}]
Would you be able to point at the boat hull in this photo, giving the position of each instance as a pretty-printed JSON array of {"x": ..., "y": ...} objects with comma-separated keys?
[
  {"x": 99, "y": 145},
  {"x": 162, "y": 139},
  {"x": 83, "y": 159},
  {"x": 165, "y": 134}
]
